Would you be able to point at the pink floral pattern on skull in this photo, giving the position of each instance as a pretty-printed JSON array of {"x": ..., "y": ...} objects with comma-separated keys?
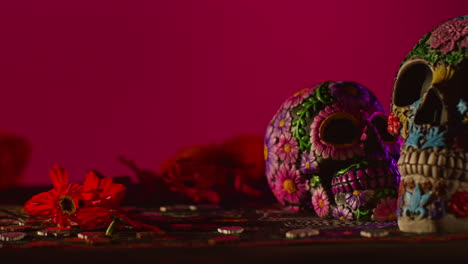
[
  {"x": 449, "y": 35},
  {"x": 328, "y": 150}
]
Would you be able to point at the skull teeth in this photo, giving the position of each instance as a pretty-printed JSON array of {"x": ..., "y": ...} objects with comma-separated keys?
[
  {"x": 365, "y": 179},
  {"x": 434, "y": 163}
]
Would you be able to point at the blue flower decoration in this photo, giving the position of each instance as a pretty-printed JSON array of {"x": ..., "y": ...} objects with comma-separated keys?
[
  {"x": 416, "y": 202},
  {"x": 415, "y": 105},
  {"x": 434, "y": 138},
  {"x": 462, "y": 107},
  {"x": 414, "y": 135}
]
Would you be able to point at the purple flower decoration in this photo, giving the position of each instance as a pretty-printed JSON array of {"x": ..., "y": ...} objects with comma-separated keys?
[
  {"x": 308, "y": 163},
  {"x": 357, "y": 198},
  {"x": 297, "y": 98},
  {"x": 350, "y": 93},
  {"x": 271, "y": 159},
  {"x": 342, "y": 213},
  {"x": 287, "y": 148},
  {"x": 320, "y": 202},
  {"x": 438, "y": 209},
  {"x": 283, "y": 122},
  {"x": 290, "y": 186},
  {"x": 270, "y": 133},
  {"x": 446, "y": 36}
]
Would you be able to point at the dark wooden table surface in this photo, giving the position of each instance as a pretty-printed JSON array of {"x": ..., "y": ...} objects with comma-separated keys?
[{"x": 452, "y": 251}]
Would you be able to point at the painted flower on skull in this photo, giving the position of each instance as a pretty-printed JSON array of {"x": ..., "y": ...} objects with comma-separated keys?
[
  {"x": 282, "y": 122},
  {"x": 459, "y": 203},
  {"x": 308, "y": 163},
  {"x": 450, "y": 35},
  {"x": 297, "y": 98},
  {"x": 357, "y": 198},
  {"x": 270, "y": 156},
  {"x": 342, "y": 213},
  {"x": 394, "y": 124},
  {"x": 385, "y": 210},
  {"x": 320, "y": 202},
  {"x": 287, "y": 149},
  {"x": 290, "y": 186}
]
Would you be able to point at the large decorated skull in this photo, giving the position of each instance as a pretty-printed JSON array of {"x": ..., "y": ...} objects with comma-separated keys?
[
  {"x": 327, "y": 149},
  {"x": 429, "y": 112}
]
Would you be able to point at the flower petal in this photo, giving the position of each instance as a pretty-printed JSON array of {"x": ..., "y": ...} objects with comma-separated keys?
[
  {"x": 111, "y": 189},
  {"x": 91, "y": 181},
  {"x": 41, "y": 205},
  {"x": 59, "y": 177}
]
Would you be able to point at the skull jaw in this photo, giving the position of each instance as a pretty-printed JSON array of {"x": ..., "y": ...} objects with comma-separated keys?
[
  {"x": 362, "y": 189},
  {"x": 420, "y": 226},
  {"x": 447, "y": 223}
]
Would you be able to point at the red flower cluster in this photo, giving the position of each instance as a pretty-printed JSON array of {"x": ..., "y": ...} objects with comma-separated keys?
[
  {"x": 394, "y": 124},
  {"x": 459, "y": 203},
  {"x": 94, "y": 205},
  {"x": 225, "y": 173}
]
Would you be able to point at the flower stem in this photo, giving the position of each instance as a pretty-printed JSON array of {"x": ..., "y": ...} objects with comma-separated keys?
[
  {"x": 17, "y": 217},
  {"x": 110, "y": 228}
]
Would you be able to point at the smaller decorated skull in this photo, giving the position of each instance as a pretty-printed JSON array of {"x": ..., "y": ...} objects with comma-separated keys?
[
  {"x": 430, "y": 113},
  {"x": 327, "y": 150}
]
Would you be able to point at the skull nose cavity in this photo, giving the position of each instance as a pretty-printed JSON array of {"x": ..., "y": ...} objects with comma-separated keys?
[
  {"x": 373, "y": 143},
  {"x": 431, "y": 110}
]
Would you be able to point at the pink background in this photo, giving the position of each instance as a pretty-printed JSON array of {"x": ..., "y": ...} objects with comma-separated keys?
[{"x": 87, "y": 81}]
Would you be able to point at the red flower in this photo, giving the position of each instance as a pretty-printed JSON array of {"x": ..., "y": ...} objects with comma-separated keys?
[
  {"x": 459, "y": 203},
  {"x": 59, "y": 204},
  {"x": 245, "y": 153},
  {"x": 102, "y": 192},
  {"x": 246, "y": 159},
  {"x": 198, "y": 173},
  {"x": 394, "y": 124},
  {"x": 99, "y": 217}
]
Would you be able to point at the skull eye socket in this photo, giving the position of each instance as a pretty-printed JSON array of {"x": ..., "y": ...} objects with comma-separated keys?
[
  {"x": 339, "y": 130},
  {"x": 414, "y": 78},
  {"x": 379, "y": 121}
]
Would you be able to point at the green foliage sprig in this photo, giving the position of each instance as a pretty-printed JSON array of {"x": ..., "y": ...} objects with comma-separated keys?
[
  {"x": 433, "y": 56},
  {"x": 313, "y": 103}
]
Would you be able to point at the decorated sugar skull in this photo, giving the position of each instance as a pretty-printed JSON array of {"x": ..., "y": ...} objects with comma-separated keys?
[
  {"x": 327, "y": 149},
  {"x": 430, "y": 113}
]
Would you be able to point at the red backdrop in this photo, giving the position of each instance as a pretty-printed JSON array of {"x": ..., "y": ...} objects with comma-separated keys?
[{"x": 86, "y": 81}]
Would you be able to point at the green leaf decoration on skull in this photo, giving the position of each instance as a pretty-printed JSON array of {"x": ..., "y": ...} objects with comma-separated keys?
[{"x": 314, "y": 103}]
